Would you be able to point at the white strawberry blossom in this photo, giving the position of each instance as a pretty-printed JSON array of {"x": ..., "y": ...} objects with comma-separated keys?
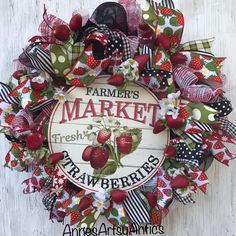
[
  {"x": 169, "y": 106},
  {"x": 60, "y": 95},
  {"x": 101, "y": 200}
]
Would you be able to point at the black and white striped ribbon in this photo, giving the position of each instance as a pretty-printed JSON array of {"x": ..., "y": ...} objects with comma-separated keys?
[
  {"x": 167, "y": 3},
  {"x": 38, "y": 107},
  {"x": 136, "y": 207},
  {"x": 197, "y": 138},
  {"x": 203, "y": 126},
  {"x": 4, "y": 94},
  {"x": 163, "y": 3},
  {"x": 146, "y": 50},
  {"x": 41, "y": 60}
]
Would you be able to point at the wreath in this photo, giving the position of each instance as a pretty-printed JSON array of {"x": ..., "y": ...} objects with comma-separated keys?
[{"x": 126, "y": 44}]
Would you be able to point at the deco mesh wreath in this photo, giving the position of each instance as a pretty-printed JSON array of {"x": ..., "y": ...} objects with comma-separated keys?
[{"x": 128, "y": 47}]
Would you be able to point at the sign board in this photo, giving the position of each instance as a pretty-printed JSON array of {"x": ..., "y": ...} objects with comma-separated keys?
[{"x": 107, "y": 136}]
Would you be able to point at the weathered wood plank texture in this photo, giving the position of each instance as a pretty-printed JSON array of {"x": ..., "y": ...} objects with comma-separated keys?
[{"x": 213, "y": 214}]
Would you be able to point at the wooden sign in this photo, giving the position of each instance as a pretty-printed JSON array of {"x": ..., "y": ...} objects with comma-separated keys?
[{"x": 107, "y": 136}]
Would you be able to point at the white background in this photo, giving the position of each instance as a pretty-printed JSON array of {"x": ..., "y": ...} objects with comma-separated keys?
[{"x": 214, "y": 213}]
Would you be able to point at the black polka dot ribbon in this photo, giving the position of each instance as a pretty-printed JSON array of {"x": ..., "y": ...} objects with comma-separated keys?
[
  {"x": 224, "y": 107},
  {"x": 114, "y": 45},
  {"x": 161, "y": 75},
  {"x": 184, "y": 154}
]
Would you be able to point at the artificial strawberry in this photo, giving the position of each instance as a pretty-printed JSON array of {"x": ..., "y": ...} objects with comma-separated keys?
[
  {"x": 163, "y": 41},
  {"x": 18, "y": 74},
  {"x": 152, "y": 199},
  {"x": 196, "y": 63},
  {"x": 9, "y": 118},
  {"x": 142, "y": 61},
  {"x": 118, "y": 196},
  {"x": 61, "y": 32},
  {"x": 178, "y": 58},
  {"x": 39, "y": 86},
  {"x": 54, "y": 158},
  {"x": 116, "y": 80},
  {"x": 84, "y": 203},
  {"x": 75, "y": 22},
  {"x": 176, "y": 123},
  {"x": 165, "y": 66},
  {"x": 79, "y": 71},
  {"x": 103, "y": 135},
  {"x": 99, "y": 157},
  {"x": 91, "y": 62},
  {"x": 34, "y": 141},
  {"x": 180, "y": 181},
  {"x": 158, "y": 127},
  {"x": 86, "y": 155},
  {"x": 170, "y": 151},
  {"x": 155, "y": 217},
  {"x": 124, "y": 143},
  {"x": 166, "y": 11},
  {"x": 76, "y": 82}
]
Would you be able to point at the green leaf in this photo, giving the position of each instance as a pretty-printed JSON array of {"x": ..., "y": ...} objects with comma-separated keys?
[
  {"x": 136, "y": 138},
  {"x": 173, "y": 21},
  {"x": 168, "y": 31},
  {"x": 211, "y": 67},
  {"x": 109, "y": 169},
  {"x": 161, "y": 20},
  {"x": 16, "y": 152},
  {"x": 114, "y": 212}
]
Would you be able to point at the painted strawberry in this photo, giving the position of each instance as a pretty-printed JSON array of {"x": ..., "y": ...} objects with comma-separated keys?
[
  {"x": 196, "y": 63},
  {"x": 14, "y": 163},
  {"x": 79, "y": 71},
  {"x": 91, "y": 62},
  {"x": 76, "y": 82},
  {"x": 199, "y": 75},
  {"x": 9, "y": 118},
  {"x": 166, "y": 11},
  {"x": 180, "y": 181},
  {"x": 161, "y": 183},
  {"x": 216, "y": 79},
  {"x": 165, "y": 66},
  {"x": 99, "y": 157},
  {"x": 87, "y": 153},
  {"x": 105, "y": 64},
  {"x": 180, "y": 19},
  {"x": 25, "y": 90},
  {"x": 39, "y": 86},
  {"x": 158, "y": 57},
  {"x": 36, "y": 95},
  {"x": 34, "y": 181},
  {"x": 103, "y": 135},
  {"x": 174, "y": 39},
  {"x": 167, "y": 192},
  {"x": 124, "y": 143}
]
